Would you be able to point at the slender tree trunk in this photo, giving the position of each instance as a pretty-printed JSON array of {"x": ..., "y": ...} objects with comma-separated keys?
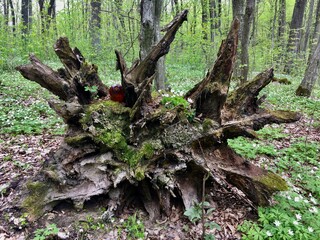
[
  {"x": 316, "y": 32},
  {"x": 26, "y": 15},
  {"x": 13, "y": 16},
  {"x": 204, "y": 18},
  {"x": 95, "y": 23},
  {"x": 150, "y": 35},
  {"x": 295, "y": 32},
  {"x": 274, "y": 23},
  {"x": 238, "y": 12},
  {"x": 160, "y": 78},
  {"x": 6, "y": 11},
  {"x": 311, "y": 75},
  {"x": 212, "y": 11},
  {"x": 244, "y": 56},
  {"x": 218, "y": 12},
  {"x": 282, "y": 19},
  {"x": 305, "y": 40},
  {"x": 194, "y": 15}
]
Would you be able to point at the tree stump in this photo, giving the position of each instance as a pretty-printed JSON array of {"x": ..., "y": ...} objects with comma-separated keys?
[{"x": 156, "y": 148}]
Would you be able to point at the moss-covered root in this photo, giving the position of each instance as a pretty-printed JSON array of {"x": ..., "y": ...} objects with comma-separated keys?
[
  {"x": 258, "y": 189},
  {"x": 35, "y": 202}
]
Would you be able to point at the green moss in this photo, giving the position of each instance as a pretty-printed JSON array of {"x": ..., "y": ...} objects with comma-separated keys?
[
  {"x": 108, "y": 123},
  {"x": 273, "y": 182},
  {"x": 34, "y": 203},
  {"x": 77, "y": 140},
  {"x": 139, "y": 174},
  {"x": 209, "y": 124}
]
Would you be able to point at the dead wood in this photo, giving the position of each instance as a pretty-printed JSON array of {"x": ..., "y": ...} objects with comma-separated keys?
[{"x": 143, "y": 148}]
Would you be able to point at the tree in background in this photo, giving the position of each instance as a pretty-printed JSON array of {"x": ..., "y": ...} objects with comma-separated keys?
[
  {"x": 294, "y": 34},
  {"x": 204, "y": 18},
  {"x": 316, "y": 32},
  {"x": 26, "y": 15},
  {"x": 311, "y": 74},
  {"x": 150, "y": 12},
  {"x": 95, "y": 23},
  {"x": 47, "y": 13},
  {"x": 244, "y": 55}
]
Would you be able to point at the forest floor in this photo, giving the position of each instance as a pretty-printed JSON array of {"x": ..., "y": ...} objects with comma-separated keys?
[
  {"x": 23, "y": 153},
  {"x": 28, "y": 153}
]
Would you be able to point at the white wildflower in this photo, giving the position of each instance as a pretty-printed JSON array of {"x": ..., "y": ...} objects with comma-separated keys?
[
  {"x": 290, "y": 232},
  {"x": 313, "y": 200},
  {"x": 289, "y": 197},
  {"x": 190, "y": 100},
  {"x": 269, "y": 234},
  {"x": 298, "y": 216},
  {"x": 313, "y": 210},
  {"x": 121, "y": 220},
  {"x": 310, "y": 229},
  {"x": 296, "y": 199},
  {"x": 295, "y": 222},
  {"x": 277, "y": 223}
]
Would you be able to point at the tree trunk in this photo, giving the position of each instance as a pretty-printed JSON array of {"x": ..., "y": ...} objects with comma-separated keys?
[
  {"x": 204, "y": 18},
  {"x": 316, "y": 32},
  {"x": 238, "y": 12},
  {"x": 244, "y": 56},
  {"x": 305, "y": 40},
  {"x": 13, "y": 16},
  {"x": 294, "y": 34},
  {"x": 26, "y": 15},
  {"x": 212, "y": 11},
  {"x": 311, "y": 74},
  {"x": 150, "y": 35},
  {"x": 6, "y": 11},
  {"x": 95, "y": 23},
  {"x": 154, "y": 149},
  {"x": 282, "y": 19}
]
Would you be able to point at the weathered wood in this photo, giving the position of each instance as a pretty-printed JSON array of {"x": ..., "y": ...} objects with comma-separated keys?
[
  {"x": 211, "y": 93},
  {"x": 47, "y": 78},
  {"x": 140, "y": 72},
  {"x": 143, "y": 148}
]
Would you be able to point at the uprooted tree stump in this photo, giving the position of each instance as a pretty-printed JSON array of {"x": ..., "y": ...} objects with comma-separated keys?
[{"x": 162, "y": 147}]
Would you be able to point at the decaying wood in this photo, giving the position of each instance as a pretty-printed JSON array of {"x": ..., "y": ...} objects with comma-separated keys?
[{"x": 142, "y": 148}]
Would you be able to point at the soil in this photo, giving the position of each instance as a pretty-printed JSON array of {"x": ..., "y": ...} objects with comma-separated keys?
[{"x": 22, "y": 156}]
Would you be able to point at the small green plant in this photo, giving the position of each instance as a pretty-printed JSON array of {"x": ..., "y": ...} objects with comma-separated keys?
[
  {"x": 194, "y": 214},
  {"x": 250, "y": 149},
  {"x": 42, "y": 234},
  {"x": 174, "y": 101},
  {"x": 134, "y": 227}
]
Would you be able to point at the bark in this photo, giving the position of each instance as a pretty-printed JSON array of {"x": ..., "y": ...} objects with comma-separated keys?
[
  {"x": 316, "y": 32},
  {"x": 6, "y": 11},
  {"x": 13, "y": 16},
  {"x": 238, "y": 7},
  {"x": 311, "y": 74},
  {"x": 150, "y": 35},
  {"x": 282, "y": 19},
  {"x": 244, "y": 56},
  {"x": 204, "y": 18},
  {"x": 26, "y": 15},
  {"x": 144, "y": 148},
  {"x": 212, "y": 11},
  {"x": 305, "y": 39},
  {"x": 294, "y": 34},
  {"x": 95, "y": 23}
]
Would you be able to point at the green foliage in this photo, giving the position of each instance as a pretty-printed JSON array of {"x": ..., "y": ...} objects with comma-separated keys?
[
  {"x": 250, "y": 149},
  {"x": 172, "y": 102},
  {"x": 134, "y": 227},
  {"x": 42, "y": 234},
  {"x": 194, "y": 214},
  {"x": 294, "y": 217},
  {"x": 21, "y": 112}
]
